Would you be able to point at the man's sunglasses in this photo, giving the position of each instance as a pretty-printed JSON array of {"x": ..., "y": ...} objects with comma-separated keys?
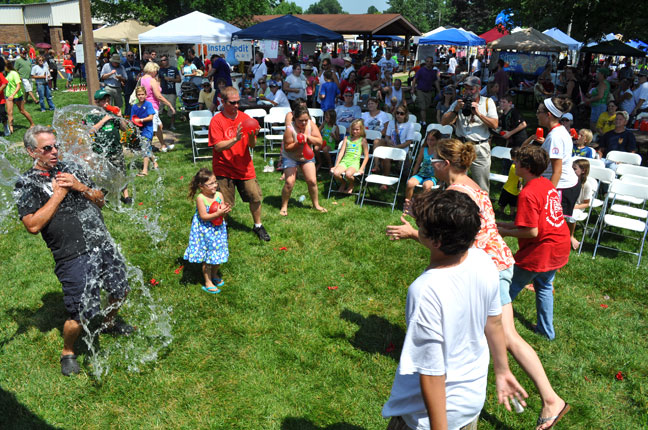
[
  {"x": 234, "y": 102},
  {"x": 49, "y": 148}
]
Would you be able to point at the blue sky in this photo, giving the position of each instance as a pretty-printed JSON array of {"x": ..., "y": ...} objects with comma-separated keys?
[{"x": 351, "y": 6}]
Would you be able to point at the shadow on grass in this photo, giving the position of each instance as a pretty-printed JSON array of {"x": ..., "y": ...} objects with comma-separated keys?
[
  {"x": 525, "y": 322},
  {"x": 51, "y": 315},
  {"x": 375, "y": 335},
  {"x": 292, "y": 423},
  {"x": 493, "y": 421},
  {"x": 14, "y": 415}
]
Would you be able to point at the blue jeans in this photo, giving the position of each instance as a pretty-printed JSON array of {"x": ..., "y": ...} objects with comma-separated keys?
[
  {"x": 44, "y": 92},
  {"x": 543, "y": 284}
]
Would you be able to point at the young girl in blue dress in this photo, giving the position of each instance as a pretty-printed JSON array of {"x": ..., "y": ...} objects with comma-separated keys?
[{"x": 208, "y": 235}]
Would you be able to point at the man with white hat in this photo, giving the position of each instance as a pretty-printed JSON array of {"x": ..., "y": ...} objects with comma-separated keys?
[
  {"x": 474, "y": 116},
  {"x": 348, "y": 68},
  {"x": 113, "y": 76}
]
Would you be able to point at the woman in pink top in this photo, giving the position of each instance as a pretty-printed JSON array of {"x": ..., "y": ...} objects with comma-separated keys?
[
  {"x": 454, "y": 159},
  {"x": 154, "y": 95}
]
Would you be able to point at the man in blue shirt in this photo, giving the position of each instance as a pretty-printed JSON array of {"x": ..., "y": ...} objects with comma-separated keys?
[
  {"x": 169, "y": 77},
  {"x": 133, "y": 70}
]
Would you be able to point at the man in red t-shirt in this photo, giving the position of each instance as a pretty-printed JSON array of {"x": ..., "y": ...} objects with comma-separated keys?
[
  {"x": 232, "y": 163},
  {"x": 369, "y": 71},
  {"x": 3, "y": 112},
  {"x": 542, "y": 233}
]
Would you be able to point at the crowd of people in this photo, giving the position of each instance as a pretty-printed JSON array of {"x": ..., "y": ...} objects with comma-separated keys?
[{"x": 461, "y": 306}]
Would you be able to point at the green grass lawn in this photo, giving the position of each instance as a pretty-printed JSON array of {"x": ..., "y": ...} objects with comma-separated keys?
[{"x": 278, "y": 349}]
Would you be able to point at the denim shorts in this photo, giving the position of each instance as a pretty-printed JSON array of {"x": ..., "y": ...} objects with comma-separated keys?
[{"x": 288, "y": 162}]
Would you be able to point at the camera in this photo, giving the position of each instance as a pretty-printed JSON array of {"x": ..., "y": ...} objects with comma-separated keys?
[{"x": 467, "y": 107}]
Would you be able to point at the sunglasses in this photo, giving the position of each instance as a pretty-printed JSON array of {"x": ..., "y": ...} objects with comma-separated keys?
[
  {"x": 49, "y": 148},
  {"x": 234, "y": 102},
  {"x": 262, "y": 82},
  {"x": 401, "y": 113}
]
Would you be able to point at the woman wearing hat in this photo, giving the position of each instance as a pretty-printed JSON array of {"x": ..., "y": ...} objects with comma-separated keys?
[
  {"x": 598, "y": 97},
  {"x": 154, "y": 95}
]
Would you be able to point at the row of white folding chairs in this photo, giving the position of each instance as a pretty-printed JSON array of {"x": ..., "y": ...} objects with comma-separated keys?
[{"x": 199, "y": 130}]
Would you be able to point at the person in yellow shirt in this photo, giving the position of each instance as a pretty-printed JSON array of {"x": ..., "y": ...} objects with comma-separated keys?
[
  {"x": 605, "y": 121},
  {"x": 511, "y": 188}
]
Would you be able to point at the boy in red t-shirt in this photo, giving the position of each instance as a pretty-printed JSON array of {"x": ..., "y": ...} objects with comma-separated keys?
[
  {"x": 68, "y": 65},
  {"x": 3, "y": 112},
  {"x": 542, "y": 233}
]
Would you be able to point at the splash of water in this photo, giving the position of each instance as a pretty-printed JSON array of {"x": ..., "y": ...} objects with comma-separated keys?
[{"x": 140, "y": 308}]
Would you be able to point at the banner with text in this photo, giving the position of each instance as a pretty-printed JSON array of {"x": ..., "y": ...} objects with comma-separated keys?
[
  {"x": 242, "y": 49},
  {"x": 520, "y": 62}
]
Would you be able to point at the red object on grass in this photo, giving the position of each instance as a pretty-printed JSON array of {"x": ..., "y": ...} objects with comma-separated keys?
[
  {"x": 141, "y": 203},
  {"x": 604, "y": 306},
  {"x": 178, "y": 270},
  {"x": 283, "y": 248},
  {"x": 113, "y": 109},
  {"x": 539, "y": 133},
  {"x": 137, "y": 121},
  {"x": 250, "y": 125},
  {"x": 212, "y": 209},
  {"x": 619, "y": 376},
  {"x": 154, "y": 282},
  {"x": 334, "y": 287},
  {"x": 181, "y": 178}
]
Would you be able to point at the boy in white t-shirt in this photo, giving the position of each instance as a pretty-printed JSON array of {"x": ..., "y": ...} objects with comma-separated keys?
[{"x": 453, "y": 316}]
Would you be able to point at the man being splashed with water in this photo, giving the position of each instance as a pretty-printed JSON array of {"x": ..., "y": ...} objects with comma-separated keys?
[{"x": 59, "y": 200}]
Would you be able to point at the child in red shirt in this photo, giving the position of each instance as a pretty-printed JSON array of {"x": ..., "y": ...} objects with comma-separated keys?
[
  {"x": 68, "y": 65},
  {"x": 542, "y": 233}
]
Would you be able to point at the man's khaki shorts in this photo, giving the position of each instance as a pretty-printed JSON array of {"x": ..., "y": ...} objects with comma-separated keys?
[
  {"x": 248, "y": 189},
  {"x": 424, "y": 99},
  {"x": 171, "y": 98}
]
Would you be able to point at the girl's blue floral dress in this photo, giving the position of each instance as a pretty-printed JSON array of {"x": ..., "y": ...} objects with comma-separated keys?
[{"x": 207, "y": 242}]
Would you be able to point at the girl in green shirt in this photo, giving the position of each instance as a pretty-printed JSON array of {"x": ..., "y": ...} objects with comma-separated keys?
[{"x": 14, "y": 96}]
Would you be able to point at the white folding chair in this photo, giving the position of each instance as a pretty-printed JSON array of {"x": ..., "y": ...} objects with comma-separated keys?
[
  {"x": 342, "y": 130},
  {"x": 603, "y": 176},
  {"x": 446, "y": 130},
  {"x": 317, "y": 115},
  {"x": 280, "y": 110},
  {"x": 199, "y": 129},
  {"x": 631, "y": 169},
  {"x": 624, "y": 157},
  {"x": 200, "y": 113},
  {"x": 412, "y": 118},
  {"x": 593, "y": 162},
  {"x": 271, "y": 138},
  {"x": 385, "y": 153},
  {"x": 357, "y": 175},
  {"x": 500, "y": 152},
  {"x": 417, "y": 126},
  {"x": 628, "y": 222},
  {"x": 372, "y": 136}
]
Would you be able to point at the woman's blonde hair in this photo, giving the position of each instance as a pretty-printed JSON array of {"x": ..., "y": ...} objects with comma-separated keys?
[
  {"x": 460, "y": 155},
  {"x": 151, "y": 67}
]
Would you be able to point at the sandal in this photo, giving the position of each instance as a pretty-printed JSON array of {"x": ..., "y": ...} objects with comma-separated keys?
[
  {"x": 69, "y": 365},
  {"x": 212, "y": 290},
  {"x": 119, "y": 328},
  {"x": 218, "y": 282},
  {"x": 141, "y": 174},
  {"x": 555, "y": 419}
]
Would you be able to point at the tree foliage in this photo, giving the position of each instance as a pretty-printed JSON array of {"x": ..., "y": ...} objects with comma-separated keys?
[
  {"x": 590, "y": 19},
  {"x": 157, "y": 12},
  {"x": 325, "y": 6},
  {"x": 373, "y": 10},
  {"x": 423, "y": 14},
  {"x": 286, "y": 7},
  {"x": 474, "y": 15}
]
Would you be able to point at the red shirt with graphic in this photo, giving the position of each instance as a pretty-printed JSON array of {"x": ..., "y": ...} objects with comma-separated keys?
[
  {"x": 234, "y": 162},
  {"x": 3, "y": 81},
  {"x": 539, "y": 206}
]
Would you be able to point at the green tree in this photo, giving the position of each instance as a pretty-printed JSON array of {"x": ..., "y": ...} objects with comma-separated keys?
[
  {"x": 286, "y": 7},
  {"x": 590, "y": 19},
  {"x": 325, "y": 6},
  {"x": 156, "y": 12},
  {"x": 373, "y": 10},
  {"x": 423, "y": 14},
  {"x": 474, "y": 15}
]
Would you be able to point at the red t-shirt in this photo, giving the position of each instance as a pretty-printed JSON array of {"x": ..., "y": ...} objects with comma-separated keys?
[
  {"x": 373, "y": 71},
  {"x": 539, "y": 206},
  {"x": 235, "y": 162},
  {"x": 3, "y": 81},
  {"x": 69, "y": 66}
]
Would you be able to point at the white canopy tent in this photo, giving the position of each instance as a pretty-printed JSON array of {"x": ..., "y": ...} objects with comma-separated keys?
[{"x": 193, "y": 28}]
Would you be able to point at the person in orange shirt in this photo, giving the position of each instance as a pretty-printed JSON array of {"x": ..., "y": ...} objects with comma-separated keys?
[{"x": 68, "y": 65}]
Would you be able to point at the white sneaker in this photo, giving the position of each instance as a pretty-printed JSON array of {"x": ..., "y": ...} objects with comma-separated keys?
[
  {"x": 164, "y": 149},
  {"x": 171, "y": 146}
]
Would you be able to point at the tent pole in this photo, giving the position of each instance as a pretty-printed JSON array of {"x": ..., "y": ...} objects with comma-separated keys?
[{"x": 139, "y": 52}]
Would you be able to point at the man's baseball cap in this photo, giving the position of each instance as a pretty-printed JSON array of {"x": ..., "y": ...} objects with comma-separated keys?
[
  {"x": 567, "y": 116},
  {"x": 101, "y": 94},
  {"x": 273, "y": 84},
  {"x": 472, "y": 81},
  {"x": 115, "y": 58},
  {"x": 348, "y": 90}
]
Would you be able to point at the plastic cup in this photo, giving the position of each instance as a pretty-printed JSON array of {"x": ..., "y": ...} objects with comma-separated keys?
[{"x": 539, "y": 133}]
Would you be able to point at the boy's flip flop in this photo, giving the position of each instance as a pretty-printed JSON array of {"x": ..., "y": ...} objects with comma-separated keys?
[
  {"x": 211, "y": 290},
  {"x": 218, "y": 282}
]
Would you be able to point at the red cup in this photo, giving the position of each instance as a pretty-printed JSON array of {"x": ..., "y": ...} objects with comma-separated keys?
[
  {"x": 502, "y": 133},
  {"x": 539, "y": 133}
]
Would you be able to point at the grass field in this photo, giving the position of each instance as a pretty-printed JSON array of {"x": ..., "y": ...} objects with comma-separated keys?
[{"x": 278, "y": 349}]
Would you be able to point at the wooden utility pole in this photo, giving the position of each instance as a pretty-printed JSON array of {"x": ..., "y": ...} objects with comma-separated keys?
[{"x": 88, "y": 49}]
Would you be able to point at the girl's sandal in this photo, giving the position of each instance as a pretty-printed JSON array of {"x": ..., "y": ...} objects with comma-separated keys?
[
  {"x": 142, "y": 174},
  {"x": 212, "y": 290}
]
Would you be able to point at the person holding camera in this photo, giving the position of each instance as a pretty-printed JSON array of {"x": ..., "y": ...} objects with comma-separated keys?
[{"x": 473, "y": 116}]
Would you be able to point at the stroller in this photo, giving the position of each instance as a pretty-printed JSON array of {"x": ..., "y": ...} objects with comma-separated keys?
[{"x": 189, "y": 97}]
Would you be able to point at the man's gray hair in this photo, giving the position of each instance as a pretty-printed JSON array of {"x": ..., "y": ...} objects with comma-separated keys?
[
  {"x": 624, "y": 114},
  {"x": 30, "y": 135}
]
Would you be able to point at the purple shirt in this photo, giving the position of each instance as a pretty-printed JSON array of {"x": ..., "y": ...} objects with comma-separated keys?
[
  {"x": 425, "y": 78},
  {"x": 222, "y": 70}
]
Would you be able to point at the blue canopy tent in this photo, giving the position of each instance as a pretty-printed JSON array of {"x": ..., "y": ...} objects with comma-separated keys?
[
  {"x": 382, "y": 37},
  {"x": 560, "y": 36},
  {"x": 452, "y": 36},
  {"x": 288, "y": 27},
  {"x": 638, "y": 44}
]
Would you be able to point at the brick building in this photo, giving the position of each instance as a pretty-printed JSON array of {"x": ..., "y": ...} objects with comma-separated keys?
[{"x": 41, "y": 22}]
